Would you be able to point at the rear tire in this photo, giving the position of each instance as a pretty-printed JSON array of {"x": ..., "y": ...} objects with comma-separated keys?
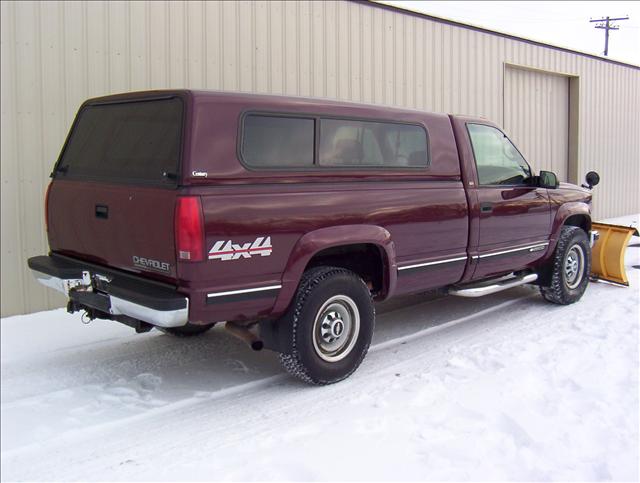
[
  {"x": 569, "y": 268},
  {"x": 189, "y": 330},
  {"x": 330, "y": 324}
]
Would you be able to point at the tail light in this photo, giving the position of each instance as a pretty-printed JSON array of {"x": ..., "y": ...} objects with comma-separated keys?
[
  {"x": 46, "y": 207},
  {"x": 189, "y": 229}
]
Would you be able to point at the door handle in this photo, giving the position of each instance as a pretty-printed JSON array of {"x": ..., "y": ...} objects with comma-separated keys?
[
  {"x": 486, "y": 207},
  {"x": 102, "y": 211}
]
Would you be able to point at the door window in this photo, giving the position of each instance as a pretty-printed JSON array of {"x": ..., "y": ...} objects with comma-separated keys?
[{"x": 497, "y": 160}]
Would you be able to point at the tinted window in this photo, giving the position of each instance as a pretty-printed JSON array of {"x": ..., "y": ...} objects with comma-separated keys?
[
  {"x": 364, "y": 143},
  {"x": 271, "y": 141},
  {"x": 134, "y": 141},
  {"x": 497, "y": 159}
]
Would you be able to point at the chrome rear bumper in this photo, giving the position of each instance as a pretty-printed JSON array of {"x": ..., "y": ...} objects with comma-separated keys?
[{"x": 116, "y": 295}]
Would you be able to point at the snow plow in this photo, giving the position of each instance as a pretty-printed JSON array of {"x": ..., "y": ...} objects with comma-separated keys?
[{"x": 607, "y": 254}]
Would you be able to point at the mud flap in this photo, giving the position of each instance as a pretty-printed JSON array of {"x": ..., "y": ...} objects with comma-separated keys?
[
  {"x": 607, "y": 254},
  {"x": 276, "y": 335}
]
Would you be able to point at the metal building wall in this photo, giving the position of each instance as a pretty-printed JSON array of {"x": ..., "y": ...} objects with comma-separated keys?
[
  {"x": 548, "y": 95},
  {"x": 56, "y": 54}
]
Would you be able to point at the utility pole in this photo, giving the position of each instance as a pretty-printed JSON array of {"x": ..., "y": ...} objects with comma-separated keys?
[{"x": 607, "y": 26}]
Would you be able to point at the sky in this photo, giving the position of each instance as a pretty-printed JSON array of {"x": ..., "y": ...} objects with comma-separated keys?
[{"x": 561, "y": 23}]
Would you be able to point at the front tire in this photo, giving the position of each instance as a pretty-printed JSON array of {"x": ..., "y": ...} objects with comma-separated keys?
[
  {"x": 570, "y": 267},
  {"x": 330, "y": 324}
]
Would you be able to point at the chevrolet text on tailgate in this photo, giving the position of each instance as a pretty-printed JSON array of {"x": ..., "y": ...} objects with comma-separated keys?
[{"x": 287, "y": 218}]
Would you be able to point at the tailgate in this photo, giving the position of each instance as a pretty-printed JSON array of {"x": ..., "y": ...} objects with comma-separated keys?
[{"x": 120, "y": 226}]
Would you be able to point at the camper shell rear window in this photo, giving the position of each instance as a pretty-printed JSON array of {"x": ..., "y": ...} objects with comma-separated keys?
[{"x": 137, "y": 142}]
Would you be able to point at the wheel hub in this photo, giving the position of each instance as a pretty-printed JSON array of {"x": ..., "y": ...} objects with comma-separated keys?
[
  {"x": 336, "y": 328},
  {"x": 574, "y": 266},
  {"x": 332, "y": 327}
]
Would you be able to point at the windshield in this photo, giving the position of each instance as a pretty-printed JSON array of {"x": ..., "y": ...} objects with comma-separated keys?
[{"x": 125, "y": 142}]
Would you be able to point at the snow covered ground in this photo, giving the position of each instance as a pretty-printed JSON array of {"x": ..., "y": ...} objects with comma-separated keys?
[{"x": 505, "y": 387}]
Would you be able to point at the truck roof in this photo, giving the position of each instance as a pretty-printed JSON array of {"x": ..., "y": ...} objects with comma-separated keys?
[
  {"x": 283, "y": 100},
  {"x": 220, "y": 154}
]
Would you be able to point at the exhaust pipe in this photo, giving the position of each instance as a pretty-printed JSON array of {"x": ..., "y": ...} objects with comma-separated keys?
[{"x": 243, "y": 333}]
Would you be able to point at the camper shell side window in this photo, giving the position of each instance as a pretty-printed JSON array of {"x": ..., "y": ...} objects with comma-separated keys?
[{"x": 286, "y": 141}]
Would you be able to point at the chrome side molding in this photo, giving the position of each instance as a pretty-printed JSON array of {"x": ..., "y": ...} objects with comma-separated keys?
[
  {"x": 428, "y": 264},
  {"x": 244, "y": 291},
  {"x": 532, "y": 248}
]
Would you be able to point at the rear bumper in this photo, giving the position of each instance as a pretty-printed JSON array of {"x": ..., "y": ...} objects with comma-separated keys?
[{"x": 112, "y": 292}]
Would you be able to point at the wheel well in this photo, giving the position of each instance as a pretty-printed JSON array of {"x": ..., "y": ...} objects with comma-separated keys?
[
  {"x": 582, "y": 221},
  {"x": 364, "y": 259}
]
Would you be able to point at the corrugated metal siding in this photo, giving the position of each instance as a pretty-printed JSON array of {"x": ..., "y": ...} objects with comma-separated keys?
[
  {"x": 56, "y": 54},
  {"x": 536, "y": 118}
]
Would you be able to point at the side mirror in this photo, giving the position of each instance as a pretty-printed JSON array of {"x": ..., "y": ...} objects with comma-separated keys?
[
  {"x": 548, "y": 179},
  {"x": 592, "y": 178}
]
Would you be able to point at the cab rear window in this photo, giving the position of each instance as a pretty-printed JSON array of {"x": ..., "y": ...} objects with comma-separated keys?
[{"x": 135, "y": 142}]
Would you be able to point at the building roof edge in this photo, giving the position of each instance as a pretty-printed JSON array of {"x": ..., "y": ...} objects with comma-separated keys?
[{"x": 477, "y": 28}]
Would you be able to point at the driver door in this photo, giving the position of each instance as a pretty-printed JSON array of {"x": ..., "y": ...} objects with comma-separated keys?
[{"x": 514, "y": 216}]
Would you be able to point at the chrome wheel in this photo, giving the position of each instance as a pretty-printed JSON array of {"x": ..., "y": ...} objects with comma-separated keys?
[
  {"x": 574, "y": 266},
  {"x": 336, "y": 328}
]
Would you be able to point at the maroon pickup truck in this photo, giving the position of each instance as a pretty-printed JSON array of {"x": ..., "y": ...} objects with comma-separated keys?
[{"x": 287, "y": 218}]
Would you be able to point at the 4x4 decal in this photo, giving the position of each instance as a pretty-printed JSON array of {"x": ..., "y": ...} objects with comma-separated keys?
[{"x": 227, "y": 250}]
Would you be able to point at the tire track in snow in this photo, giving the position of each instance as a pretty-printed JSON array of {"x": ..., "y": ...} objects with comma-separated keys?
[
  {"x": 108, "y": 363},
  {"x": 100, "y": 362},
  {"x": 245, "y": 389}
]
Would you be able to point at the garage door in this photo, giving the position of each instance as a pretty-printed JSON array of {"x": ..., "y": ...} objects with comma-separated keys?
[{"x": 536, "y": 118}]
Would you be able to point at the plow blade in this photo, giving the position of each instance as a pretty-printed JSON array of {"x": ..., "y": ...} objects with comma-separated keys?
[{"x": 607, "y": 254}]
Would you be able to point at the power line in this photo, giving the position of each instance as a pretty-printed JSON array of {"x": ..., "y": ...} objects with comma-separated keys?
[{"x": 607, "y": 26}]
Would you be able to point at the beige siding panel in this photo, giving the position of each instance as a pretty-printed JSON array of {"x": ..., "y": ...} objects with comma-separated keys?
[
  {"x": 96, "y": 47},
  {"x": 419, "y": 64},
  {"x": 536, "y": 106},
  {"x": 12, "y": 299},
  {"x": 56, "y": 54},
  {"x": 341, "y": 52},
  {"x": 117, "y": 35},
  {"x": 304, "y": 48},
  {"x": 290, "y": 47},
  {"x": 331, "y": 49},
  {"x": 195, "y": 47},
  {"x": 449, "y": 69},
  {"x": 366, "y": 54},
  {"x": 138, "y": 46},
  {"x": 438, "y": 68}
]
